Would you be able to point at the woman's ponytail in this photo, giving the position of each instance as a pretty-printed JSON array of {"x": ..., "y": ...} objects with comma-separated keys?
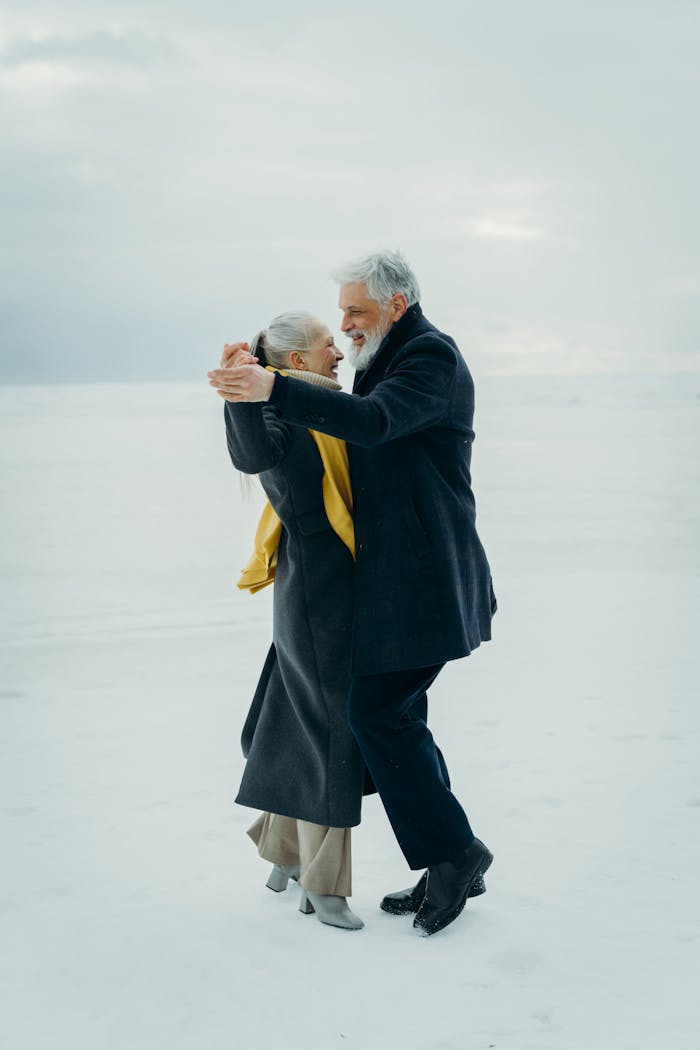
[{"x": 258, "y": 348}]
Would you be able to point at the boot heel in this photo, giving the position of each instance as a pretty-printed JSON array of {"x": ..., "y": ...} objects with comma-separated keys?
[
  {"x": 305, "y": 905},
  {"x": 278, "y": 880},
  {"x": 280, "y": 876},
  {"x": 477, "y": 887}
]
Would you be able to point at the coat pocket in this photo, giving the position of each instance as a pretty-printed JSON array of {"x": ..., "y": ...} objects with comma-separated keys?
[
  {"x": 417, "y": 534},
  {"x": 312, "y": 521}
]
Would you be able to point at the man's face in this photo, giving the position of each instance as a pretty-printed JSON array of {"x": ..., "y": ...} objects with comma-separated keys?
[{"x": 364, "y": 321}]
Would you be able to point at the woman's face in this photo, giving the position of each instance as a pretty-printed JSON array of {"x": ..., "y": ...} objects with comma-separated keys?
[{"x": 324, "y": 355}]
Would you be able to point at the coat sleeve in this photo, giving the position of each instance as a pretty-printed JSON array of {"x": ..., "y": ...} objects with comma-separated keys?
[
  {"x": 257, "y": 439},
  {"x": 415, "y": 395}
]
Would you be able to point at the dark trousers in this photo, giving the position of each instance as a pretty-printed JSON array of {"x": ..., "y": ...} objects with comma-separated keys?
[{"x": 387, "y": 714}]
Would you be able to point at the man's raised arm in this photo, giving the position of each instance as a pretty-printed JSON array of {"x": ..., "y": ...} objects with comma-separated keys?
[{"x": 414, "y": 396}]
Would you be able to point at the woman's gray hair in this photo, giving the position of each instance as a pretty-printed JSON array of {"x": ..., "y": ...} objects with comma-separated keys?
[
  {"x": 386, "y": 274},
  {"x": 293, "y": 330}
]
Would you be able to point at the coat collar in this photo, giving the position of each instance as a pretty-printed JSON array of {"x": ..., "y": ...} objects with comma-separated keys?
[{"x": 408, "y": 326}]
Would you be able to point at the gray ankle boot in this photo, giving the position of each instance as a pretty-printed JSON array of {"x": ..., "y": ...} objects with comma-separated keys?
[
  {"x": 334, "y": 911},
  {"x": 280, "y": 876}
]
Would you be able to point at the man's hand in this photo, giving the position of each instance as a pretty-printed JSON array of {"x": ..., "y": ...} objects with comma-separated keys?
[
  {"x": 242, "y": 383},
  {"x": 236, "y": 354}
]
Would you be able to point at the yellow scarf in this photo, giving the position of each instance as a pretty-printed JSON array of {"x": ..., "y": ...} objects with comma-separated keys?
[{"x": 337, "y": 501}]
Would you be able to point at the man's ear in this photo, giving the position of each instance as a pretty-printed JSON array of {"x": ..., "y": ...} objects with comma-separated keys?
[{"x": 398, "y": 305}]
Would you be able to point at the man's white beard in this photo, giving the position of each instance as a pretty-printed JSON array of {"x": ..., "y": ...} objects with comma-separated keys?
[{"x": 360, "y": 359}]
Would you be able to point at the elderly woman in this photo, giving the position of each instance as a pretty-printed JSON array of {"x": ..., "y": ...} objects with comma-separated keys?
[{"x": 303, "y": 769}]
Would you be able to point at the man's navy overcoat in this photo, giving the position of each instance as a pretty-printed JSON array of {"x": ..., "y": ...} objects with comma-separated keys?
[{"x": 423, "y": 592}]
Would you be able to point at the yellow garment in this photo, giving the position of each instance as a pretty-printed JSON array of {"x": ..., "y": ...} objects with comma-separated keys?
[
  {"x": 337, "y": 501},
  {"x": 260, "y": 570}
]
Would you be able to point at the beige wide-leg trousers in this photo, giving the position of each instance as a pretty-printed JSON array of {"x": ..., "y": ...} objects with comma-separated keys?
[{"x": 322, "y": 854}]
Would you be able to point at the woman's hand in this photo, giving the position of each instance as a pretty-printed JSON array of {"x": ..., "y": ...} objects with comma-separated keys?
[
  {"x": 236, "y": 354},
  {"x": 248, "y": 382}
]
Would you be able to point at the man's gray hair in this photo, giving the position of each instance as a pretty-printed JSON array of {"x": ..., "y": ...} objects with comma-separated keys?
[{"x": 385, "y": 273}]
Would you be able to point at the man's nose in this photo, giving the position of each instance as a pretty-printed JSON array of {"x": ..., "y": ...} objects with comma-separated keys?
[{"x": 346, "y": 324}]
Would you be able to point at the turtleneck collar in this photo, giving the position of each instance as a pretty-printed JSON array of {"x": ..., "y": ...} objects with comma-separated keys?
[{"x": 315, "y": 378}]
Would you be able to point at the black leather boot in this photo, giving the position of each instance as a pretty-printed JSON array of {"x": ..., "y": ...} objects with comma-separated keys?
[
  {"x": 407, "y": 902},
  {"x": 448, "y": 887}
]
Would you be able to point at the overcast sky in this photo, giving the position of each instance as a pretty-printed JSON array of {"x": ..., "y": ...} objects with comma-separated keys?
[{"x": 175, "y": 174}]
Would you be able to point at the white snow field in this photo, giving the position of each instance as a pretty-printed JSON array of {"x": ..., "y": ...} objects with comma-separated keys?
[{"x": 133, "y": 908}]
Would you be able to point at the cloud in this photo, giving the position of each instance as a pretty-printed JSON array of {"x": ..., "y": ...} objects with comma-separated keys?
[
  {"x": 34, "y": 64},
  {"x": 174, "y": 171},
  {"x": 688, "y": 285},
  {"x": 39, "y": 76},
  {"x": 117, "y": 48},
  {"x": 505, "y": 230}
]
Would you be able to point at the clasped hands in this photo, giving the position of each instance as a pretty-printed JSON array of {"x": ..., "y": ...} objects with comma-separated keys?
[{"x": 240, "y": 377}]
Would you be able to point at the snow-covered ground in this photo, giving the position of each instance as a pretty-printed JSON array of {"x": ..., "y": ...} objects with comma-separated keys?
[{"x": 133, "y": 911}]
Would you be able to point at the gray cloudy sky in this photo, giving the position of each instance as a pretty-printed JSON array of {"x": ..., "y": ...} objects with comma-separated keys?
[{"x": 174, "y": 174}]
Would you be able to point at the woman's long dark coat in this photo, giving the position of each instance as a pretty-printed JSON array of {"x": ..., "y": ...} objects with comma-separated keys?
[
  {"x": 423, "y": 586},
  {"x": 302, "y": 759}
]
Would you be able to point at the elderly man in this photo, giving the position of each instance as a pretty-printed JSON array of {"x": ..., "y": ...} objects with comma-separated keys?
[{"x": 424, "y": 593}]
